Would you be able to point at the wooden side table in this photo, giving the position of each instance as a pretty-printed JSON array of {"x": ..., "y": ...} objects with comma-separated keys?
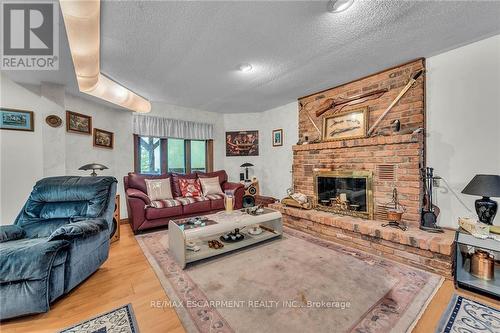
[{"x": 116, "y": 220}]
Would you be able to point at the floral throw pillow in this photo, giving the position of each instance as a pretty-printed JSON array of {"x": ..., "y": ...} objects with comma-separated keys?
[{"x": 190, "y": 187}]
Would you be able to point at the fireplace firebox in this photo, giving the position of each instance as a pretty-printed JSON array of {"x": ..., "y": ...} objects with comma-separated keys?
[{"x": 345, "y": 192}]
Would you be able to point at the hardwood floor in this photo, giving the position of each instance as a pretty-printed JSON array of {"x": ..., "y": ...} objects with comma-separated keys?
[
  {"x": 430, "y": 319},
  {"x": 126, "y": 277}
]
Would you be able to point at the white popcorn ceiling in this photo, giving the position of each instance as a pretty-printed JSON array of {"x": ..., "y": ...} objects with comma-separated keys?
[{"x": 187, "y": 53}]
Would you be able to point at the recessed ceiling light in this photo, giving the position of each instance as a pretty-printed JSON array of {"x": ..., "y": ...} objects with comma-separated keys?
[
  {"x": 337, "y": 6},
  {"x": 245, "y": 68}
]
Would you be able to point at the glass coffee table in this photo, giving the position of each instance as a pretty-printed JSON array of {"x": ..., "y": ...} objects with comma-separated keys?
[{"x": 180, "y": 233}]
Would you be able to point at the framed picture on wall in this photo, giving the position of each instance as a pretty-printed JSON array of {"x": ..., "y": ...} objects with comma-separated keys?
[
  {"x": 278, "y": 137},
  {"x": 16, "y": 120},
  {"x": 103, "y": 138},
  {"x": 351, "y": 124},
  {"x": 78, "y": 123},
  {"x": 242, "y": 143}
]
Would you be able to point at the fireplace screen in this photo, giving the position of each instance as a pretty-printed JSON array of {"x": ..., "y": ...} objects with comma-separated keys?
[{"x": 348, "y": 193}]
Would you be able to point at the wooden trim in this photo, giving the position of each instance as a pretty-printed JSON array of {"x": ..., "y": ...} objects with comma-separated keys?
[
  {"x": 187, "y": 156},
  {"x": 32, "y": 120},
  {"x": 365, "y": 77},
  {"x": 136, "y": 155},
  {"x": 209, "y": 155},
  {"x": 163, "y": 155},
  {"x": 124, "y": 221},
  {"x": 103, "y": 146},
  {"x": 68, "y": 129}
]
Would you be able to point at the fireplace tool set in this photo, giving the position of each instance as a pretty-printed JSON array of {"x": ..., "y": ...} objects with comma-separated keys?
[
  {"x": 395, "y": 212},
  {"x": 430, "y": 212}
]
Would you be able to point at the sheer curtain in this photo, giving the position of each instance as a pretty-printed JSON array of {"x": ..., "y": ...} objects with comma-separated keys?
[{"x": 171, "y": 128}]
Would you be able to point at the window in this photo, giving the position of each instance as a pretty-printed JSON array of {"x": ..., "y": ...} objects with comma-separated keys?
[
  {"x": 158, "y": 155},
  {"x": 198, "y": 155},
  {"x": 149, "y": 155},
  {"x": 176, "y": 159}
]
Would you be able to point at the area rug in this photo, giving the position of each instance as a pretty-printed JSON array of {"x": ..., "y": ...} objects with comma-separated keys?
[
  {"x": 120, "y": 320},
  {"x": 465, "y": 315},
  {"x": 298, "y": 283}
]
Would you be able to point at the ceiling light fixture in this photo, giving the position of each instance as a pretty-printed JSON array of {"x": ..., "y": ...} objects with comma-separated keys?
[
  {"x": 82, "y": 21},
  {"x": 337, "y": 6},
  {"x": 245, "y": 68}
]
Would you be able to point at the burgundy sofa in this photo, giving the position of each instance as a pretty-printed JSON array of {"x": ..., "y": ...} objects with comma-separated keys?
[{"x": 142, "y": 216}]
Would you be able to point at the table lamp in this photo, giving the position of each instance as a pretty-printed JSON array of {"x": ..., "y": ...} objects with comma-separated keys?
[
  {"x": 485, "y": 186},
  {"x": 246, "y": 166},
  {"x": 93, "y": 167}
]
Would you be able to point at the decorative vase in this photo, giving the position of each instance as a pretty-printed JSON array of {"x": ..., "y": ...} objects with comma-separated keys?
[
  {"x": 483, "y": 265},
  {"x": 229, "y": 201}
]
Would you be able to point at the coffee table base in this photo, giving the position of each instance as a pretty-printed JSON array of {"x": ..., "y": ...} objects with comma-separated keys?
[{"x": 177, "y": 241}]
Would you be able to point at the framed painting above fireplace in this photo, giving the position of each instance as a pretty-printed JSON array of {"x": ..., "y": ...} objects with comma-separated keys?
[
  {"x": 352, "y": 124},
  {"x": 345, "y": 192}
]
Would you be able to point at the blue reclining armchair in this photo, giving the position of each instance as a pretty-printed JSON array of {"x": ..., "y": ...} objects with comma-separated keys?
[{"x": 60, "y": 237}]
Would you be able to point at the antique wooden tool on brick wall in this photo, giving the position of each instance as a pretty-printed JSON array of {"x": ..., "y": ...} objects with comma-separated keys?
[
  {"x": 338, "y": 104},
  {"x": 410, "y": 83},
  {"x": 302, "y": 108}
]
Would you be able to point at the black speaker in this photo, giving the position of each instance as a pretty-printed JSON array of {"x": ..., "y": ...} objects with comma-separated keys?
[
  {"x": 248, "y": 201},
  {"x": 252, "y": 190}
]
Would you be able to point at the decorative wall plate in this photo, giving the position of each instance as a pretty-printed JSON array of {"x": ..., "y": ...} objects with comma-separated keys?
[{"x": 53, "y": 120}]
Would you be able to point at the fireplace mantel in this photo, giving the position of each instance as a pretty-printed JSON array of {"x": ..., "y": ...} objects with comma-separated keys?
[{"x": 373, "y": 141}]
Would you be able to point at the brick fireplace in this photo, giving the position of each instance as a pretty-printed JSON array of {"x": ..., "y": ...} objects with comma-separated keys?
[{"x": 392, "y": 160}]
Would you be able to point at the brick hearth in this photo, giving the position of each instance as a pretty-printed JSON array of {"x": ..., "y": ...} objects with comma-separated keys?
[{"x": 431, "y": 252}]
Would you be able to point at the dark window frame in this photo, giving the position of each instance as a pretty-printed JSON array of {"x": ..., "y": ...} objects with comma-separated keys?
[{"x": 209, "y": 155}]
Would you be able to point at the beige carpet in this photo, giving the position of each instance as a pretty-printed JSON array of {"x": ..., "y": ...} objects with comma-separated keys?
[{"x": 295, "y": 284}]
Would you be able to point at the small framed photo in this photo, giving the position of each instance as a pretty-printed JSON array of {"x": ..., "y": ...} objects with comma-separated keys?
[
  {"x": 103, "y": 138},
  {"x": 278, "y": 137},
  {"x": 351, "y": 124},
  {"x": 17, "y": 120},
  {"x": 78, "y": 123}
]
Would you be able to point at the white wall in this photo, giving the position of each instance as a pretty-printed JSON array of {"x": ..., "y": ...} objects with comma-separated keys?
[
  {"x": 463, "y": 121},
  {"x": 273, "y": 166},
  {"x": 80, "y": 149},
  {"x": 28, "y": 156},
  {"x": 21, "y": 153}
]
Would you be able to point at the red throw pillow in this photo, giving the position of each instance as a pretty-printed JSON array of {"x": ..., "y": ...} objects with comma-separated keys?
[{"x": 190, "y": 187}]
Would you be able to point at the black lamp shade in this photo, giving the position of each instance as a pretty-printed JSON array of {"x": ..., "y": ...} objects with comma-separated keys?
[
  {"x": 93, "y": 167},
  {"x": 246, "y": 166},
  {"x": 484, "y": 186}
]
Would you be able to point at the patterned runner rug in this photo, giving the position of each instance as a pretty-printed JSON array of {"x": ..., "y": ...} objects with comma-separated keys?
[
  {"x": 467, "y": 316},
  {"x": 120, "y": 320},
  {"x": 299, "y": 283}
]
